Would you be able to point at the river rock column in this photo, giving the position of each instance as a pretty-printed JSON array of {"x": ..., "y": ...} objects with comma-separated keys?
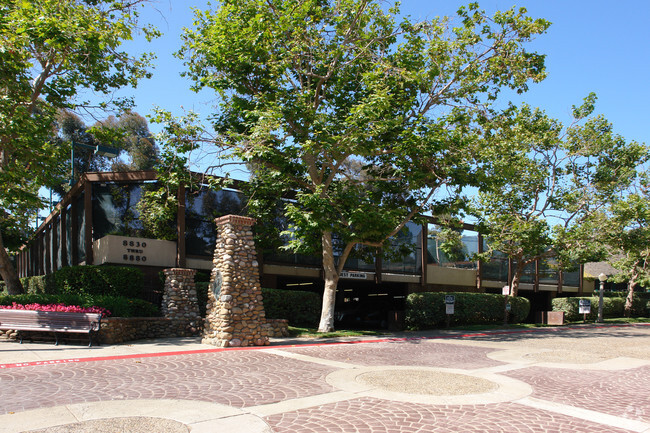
[
  {"x": 180, "y": 302},
  {"x": 235, "y": 310}
]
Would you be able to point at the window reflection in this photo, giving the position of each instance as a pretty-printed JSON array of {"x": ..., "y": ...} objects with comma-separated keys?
[{"x": 451, "y": 248}]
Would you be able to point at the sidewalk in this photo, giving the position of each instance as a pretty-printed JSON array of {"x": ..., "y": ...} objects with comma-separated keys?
[
  {"x": 27, "y": 353},
  {"x": 583, "y": 378}
]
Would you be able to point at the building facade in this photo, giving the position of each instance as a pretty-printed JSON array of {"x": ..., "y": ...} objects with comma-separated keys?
[{"x": 97, "y": 223}]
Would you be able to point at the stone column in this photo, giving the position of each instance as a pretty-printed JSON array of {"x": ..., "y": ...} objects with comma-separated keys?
[
  {"x": 235, "y": 310},
  {"x": 180, "y": 302}
]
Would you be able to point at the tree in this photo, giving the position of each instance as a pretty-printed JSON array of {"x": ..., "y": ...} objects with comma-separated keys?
[
  {"x": 50, "y": 52},
  {"x": 549, "y": 184},
  {"x": 309, "y": 88},
  {"x": 129, "y": 134},
  {"x": 627, "y": 233}
]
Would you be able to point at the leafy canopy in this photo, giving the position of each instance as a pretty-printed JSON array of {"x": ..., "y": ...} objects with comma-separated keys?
[
  {"x": 353, "y": 111},
  {"x": 51, "y": 52},
  {"x": 548, "y": 183}
]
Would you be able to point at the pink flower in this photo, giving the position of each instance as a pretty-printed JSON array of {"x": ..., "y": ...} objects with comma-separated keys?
[{"x": 58, "y": 307}]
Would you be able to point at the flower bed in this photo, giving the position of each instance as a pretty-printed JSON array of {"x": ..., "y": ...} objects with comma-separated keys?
[{"x": 57, "y": 307}]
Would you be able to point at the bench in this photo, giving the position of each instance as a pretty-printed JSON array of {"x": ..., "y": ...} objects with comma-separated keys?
[{"x": 50, "y": 321}]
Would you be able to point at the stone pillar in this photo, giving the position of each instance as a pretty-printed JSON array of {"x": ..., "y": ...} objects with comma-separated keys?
[
  {"x": 180, "y": 302},
  {"x": 235, "y": 310}
]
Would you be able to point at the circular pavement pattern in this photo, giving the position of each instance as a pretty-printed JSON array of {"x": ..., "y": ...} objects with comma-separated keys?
[
  {"x": 119, "y": 425},
  {"x": 429, "y": 385},
  {"x": 426, "y": 382}
]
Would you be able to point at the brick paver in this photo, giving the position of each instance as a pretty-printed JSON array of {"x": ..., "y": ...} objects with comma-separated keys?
[
  {"x": 370, "y": 415},
  {"x": 624, "y": 393},
  {"x": 411, "y": 352},
  {"x": 294, "y": 395},
  {"x": 239, "y": 379}
]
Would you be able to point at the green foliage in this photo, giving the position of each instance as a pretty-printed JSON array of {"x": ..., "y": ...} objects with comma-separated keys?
[
  {"x": 157, "y": 208},
  {"x": 357, "y": 116},
  {"x": 51, "y": 51},
  {"x": 427, "y": 310},
  {"x": 119, "y": 306},
  {"x": 612, "y": 307},
  {"x": 88, "y": 280},
  {"x": 547, "y": 183},
  {"x": 39, "y": 284},
  {"x": 299, "y": 307},
  {"x": 627, "y": 232},
  {"x": 99, "y": 280},
  {"x": 202, "y": 288},
  {"x": 128, "y": 133}
]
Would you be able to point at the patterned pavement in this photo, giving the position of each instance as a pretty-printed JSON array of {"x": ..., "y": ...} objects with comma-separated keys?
[
  {"x": 293, "y": 389},
  {"x": 372, "y": 415}
]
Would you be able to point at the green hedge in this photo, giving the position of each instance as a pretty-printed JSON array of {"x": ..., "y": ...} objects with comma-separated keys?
[
  {"x": 100, "y": 280},
  {"x": 39, "y": 284},
  {"x": 119, "y": 306},
  {"x": 88, "y": 280},
  {"x": 427, "y": 310},
  {"x": 612, "y": 307},
  {"x": 301, "y": 308}
]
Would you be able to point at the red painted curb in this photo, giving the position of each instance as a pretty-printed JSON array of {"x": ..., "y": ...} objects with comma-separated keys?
[{"x": 379, "y": 340}]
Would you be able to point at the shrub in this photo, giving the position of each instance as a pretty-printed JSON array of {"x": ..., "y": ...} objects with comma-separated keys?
[
  {"x": 640, "y": 301},
  {"x": 119, "y": 306},
  {"x": 202, "y": 296},
  {"x": 427, "y": 310},
  {"x": 612, "y": 307},
  {"x": 99, "y": 280},
  {"x": 301, "y": 308}
]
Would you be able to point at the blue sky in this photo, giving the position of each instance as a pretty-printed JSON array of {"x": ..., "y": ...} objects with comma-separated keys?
[{"x": 592, "y": 46}]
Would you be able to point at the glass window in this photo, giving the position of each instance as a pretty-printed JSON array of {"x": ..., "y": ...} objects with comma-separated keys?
[
  {"x": 405, "y": 252},
  {"x": 81, "y": 227},
  {"x": 56, "y": 244},
  {"x": 201, "y": 209},
  {"x": 114, "y": 211},
  {"x": 68, "y": 237},
  {"x": 442, "y": 251}
]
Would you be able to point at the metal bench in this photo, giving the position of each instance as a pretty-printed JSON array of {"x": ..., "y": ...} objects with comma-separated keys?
[{"x": 50, "y": 321}]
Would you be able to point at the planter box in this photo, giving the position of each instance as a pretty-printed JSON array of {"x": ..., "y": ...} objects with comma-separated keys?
[{"x": 550, "y": 317}]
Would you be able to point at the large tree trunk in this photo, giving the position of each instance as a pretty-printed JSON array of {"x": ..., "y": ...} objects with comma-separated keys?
[
  {"x": 331, "y": 282},
  {"x": 516, "y": 278},
  {"x": 631, "y": 286},
  {"x": 8, "y": 273},
  {"x": 514, "y": 289}
]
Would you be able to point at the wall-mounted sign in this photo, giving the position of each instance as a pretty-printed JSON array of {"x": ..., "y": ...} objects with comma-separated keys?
[
  {"x": 134, "y": 250},
  {"x": 126, "y": 250},
  {"x": 354, "y": 275}
]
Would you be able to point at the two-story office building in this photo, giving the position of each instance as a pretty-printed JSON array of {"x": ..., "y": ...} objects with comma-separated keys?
[{"x": 97, "y": 222}]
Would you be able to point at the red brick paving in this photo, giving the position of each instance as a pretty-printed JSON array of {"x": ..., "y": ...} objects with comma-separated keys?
[
  {"x": 370, "y": 415},
  {"x": 237, "y": 379},
  {"x": 421, "y": 353},
  {"x": 251, "y": 378},
  {"x": 624, "y": 393}
]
